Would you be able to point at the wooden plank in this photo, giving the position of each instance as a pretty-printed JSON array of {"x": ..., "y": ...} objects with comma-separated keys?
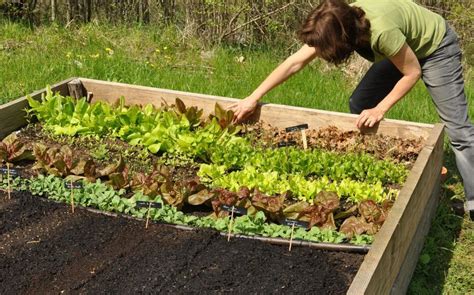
[
  {"x": 76, "y": 89},
  {"x": 411, "y": 260},
  {"x": 278, "y": 115},
  {"x": 12, "y": 114},
  {"x": 396, "y": 239}
]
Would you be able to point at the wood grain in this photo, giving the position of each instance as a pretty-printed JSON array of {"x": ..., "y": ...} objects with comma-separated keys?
[
  {"x": 396, "y": 245},
  {"x": 76, "y": 89},
  {"x": 12, "y": 114}
]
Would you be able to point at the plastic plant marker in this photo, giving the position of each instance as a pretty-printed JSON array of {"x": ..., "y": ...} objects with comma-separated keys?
[
  {"x": 231, "y": 223},
  {"x": 148, "y": 216},
  {"x": 305, "y": 141},
  {"x": 293, "y": 223},
  {"x": 297, "y": 128},
  {"x": 72, "y": 186},
  {"x": 72, "y": 196},
  {"x": 291, "y": 237},
  {"x": 301, "y": 128},
  {"x": 148, "y": 205},
  {"x": 286, "y": 143},
  {"x": 8, "y": 182}
]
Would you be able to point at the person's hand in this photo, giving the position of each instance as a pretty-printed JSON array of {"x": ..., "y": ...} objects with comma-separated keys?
[
  {"x": 369, "y": 117},
  {"x": 244, "y": 108}
]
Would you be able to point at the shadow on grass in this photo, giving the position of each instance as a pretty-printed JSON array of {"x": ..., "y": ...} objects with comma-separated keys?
[{"x": 432, "y": 268}]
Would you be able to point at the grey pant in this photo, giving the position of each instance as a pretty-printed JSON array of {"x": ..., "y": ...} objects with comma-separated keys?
[{"x": 442, "y": 75}]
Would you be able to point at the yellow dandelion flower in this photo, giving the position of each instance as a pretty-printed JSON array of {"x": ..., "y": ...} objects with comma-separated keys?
[{"x": 110, "y": 51}]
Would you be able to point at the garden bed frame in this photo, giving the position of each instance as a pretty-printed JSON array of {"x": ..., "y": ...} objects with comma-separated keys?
[{"x": 389, "y": 265}]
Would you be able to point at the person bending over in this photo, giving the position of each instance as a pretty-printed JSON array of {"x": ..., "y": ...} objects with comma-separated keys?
[{"x": 405, "y": 42}]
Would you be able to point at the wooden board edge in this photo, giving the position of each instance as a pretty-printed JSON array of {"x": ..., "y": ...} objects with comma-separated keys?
[
  {"x": 411, "y": 259},
  {"x": 12, "y": 113},
  {"x": 386, "y": 125},
  {"x": 382, "y": 258}
]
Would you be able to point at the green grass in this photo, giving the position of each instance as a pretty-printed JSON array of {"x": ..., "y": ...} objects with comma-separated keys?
[{"x": 30, "y": 59}]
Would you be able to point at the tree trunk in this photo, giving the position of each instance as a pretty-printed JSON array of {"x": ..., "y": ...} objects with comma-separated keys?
[
  {"x": 87, "y": 10},
  {"x": 68, "y": 11},
  {"x": 53, "y": 10},
  {"x": 143, "y": 11},
  {"x": 146, "y": 11}
]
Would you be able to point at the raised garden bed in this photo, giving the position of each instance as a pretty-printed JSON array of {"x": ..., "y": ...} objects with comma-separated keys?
[{"x": 344, "y": 196}]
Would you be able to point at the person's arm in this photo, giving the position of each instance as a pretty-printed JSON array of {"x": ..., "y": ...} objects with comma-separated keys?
[
  {"x": 407, "y": 63},
  {"x": 290, "y": 66}
]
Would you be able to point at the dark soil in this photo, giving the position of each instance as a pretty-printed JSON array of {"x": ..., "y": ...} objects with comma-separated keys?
[{"x": 46, "y": 249}]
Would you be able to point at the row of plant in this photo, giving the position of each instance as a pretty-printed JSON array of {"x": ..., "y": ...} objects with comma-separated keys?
[
  {"x": 178, "y": 129},
  {"x": 315, "y": 162},
  {"x": 350, "y": 192},
  {"x": 274, "y": 183},
  {"x": 322, "y": 210},
  {"x": 172, "y": 129},
  {"x": 333, "y": 169},
  {"x": 58, "y": 161},
  {"x": 101, "y": 196}
]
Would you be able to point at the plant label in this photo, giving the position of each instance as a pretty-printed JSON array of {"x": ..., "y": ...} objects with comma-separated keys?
[
  {"x": 13, "y": 172},
  {"x": 287, "y": 143},
  {"x": 295, "y": 223},
  {"x": 145, "y": 204},
  {"x": 74, "y": 185},
  {"x": 149, "y": 205},
  {"x": 297, "y": 128},
  {"x": 235, "y": 210}
]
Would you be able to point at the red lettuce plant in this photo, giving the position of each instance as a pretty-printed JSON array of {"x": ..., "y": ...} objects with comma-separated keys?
[
  {"x": 225, "y": 197},
  {"x": 61, "y": 162},
  {"x": 12, "y": 150}
]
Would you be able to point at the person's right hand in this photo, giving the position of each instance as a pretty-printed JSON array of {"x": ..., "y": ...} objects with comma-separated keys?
[{"x": 244, "y": 108}]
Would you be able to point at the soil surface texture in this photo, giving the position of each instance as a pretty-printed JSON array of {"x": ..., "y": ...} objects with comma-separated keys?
[{"x": 45, "y": 249}]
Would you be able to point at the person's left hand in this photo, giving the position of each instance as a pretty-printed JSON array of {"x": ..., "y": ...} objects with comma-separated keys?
[{"x": 369, "y": 117}]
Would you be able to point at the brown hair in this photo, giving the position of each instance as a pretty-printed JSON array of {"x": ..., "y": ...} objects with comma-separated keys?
[{"x": 335, "y": 29}]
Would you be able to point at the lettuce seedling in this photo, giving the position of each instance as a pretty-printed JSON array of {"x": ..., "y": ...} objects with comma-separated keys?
[
  {"x": 373, "y": 212},
  {"x": 116, "y": 174},
  {"x": 225, "y": 197},
  {"x": 321, "y": 213},
  {"x": 172, "y": 195},
  {"x": 61, "y": 162},
  {"x": 12, "y": 150},
  {"x": 272, "y": 206},
  {"x": 192, "y": 114},
  {"x": 353, "y": 226},
  {"x": 225, "y": 118},
  {"x": 196, "y": 193},
  {"x": 150, "y": 183}
]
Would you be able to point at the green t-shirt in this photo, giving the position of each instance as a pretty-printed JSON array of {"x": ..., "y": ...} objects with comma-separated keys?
[{"x": 394, "y": 22}]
